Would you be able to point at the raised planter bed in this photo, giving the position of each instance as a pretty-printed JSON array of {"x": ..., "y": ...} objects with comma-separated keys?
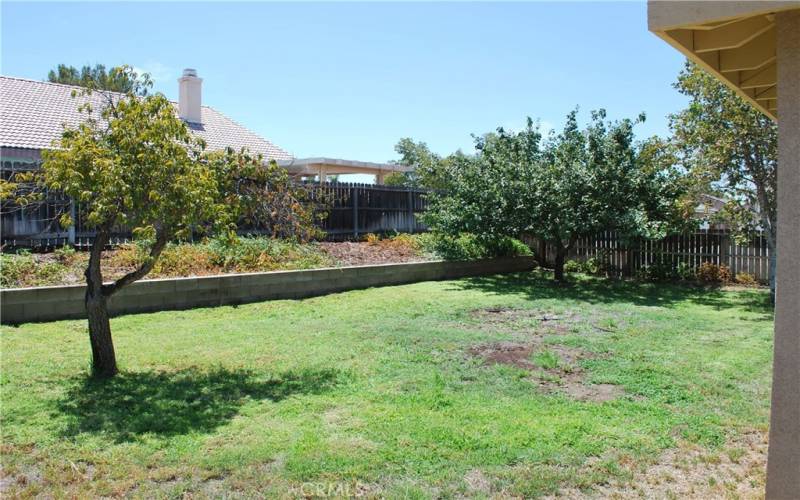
[{"x": 23, "y": 305}]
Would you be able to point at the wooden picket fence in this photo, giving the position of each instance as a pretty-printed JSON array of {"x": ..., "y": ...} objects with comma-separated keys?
[
  {"x": 716, "y": 247},
  {"x": 356, "y": 209}
]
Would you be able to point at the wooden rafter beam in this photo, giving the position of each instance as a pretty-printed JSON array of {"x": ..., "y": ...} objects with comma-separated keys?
[
  {"x": 753, "y": 55},
  {"x": 768, "y": 94},
  {"x": 732, "y": 35},
  {"x": 744, "y": 61},
  {"x": 709, "y": 26},
  {"x": 764, "y": 77}
]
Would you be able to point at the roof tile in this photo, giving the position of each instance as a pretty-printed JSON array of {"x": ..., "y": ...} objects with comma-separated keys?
[{"x": 33, "y": 114}]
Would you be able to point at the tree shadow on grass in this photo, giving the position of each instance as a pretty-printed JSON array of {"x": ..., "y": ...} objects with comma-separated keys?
[
  {"x": 539, "y": 285},
  {"x": 173, "y": 403}
]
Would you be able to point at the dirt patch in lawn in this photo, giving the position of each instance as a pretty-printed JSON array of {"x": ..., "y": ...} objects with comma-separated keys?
[
  {"x": 554, "y": 368},
  {"x": 523, "y": 322},
  {"x": 737, "y": 470},
  {"x": 349, "y": 253},
  {"x": 505, "y": 353},
  {"x": 511, "y": 315},
  {"x": 543, "y": 322},
  {"x": 592, "y": 392},
  {"x": 478, "y": 483}
]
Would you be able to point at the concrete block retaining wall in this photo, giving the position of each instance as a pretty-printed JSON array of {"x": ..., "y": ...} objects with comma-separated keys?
[{"x": 23, "y": 305}]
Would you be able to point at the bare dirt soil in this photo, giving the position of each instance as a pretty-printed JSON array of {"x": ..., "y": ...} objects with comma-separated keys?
[
  {"x": 358, "y": 253},
  {"x": 544, "y": 322},
  {"x": 554, "y": 367}
]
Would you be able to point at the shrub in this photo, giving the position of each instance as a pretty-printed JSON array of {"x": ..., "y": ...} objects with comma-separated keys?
[
  {"x": 467, "y": 246},
  {"x": 241, "y": 254},
  {"x": 66, "y": 255},
  {"x": 712, "y": 273},
  {"x": 685, "y": 271},
  {"x": 410, "y": 241},
  {"x": 506, "y": 247},
  {"x": 462, "y": 247},
  {"x": 264, "y": 254},
  {"x": 183, "y": 260},
  {"x": 663, "y": 270},
  {"x": 725, "y": 274},
  {"x": 22, "y": 270},
  {"x": 746, "y": 279},
  {"x": 573, "y": 266},
  {"x": 594, "y": 265},
  {"x": 16, "y": 268},
  {"x": 708, "y": 272},
  {"x": 223, "y": 254},
  {"x": 400, "y": 241},
  {"x": 658, "y": 271},
  {"x": 129, "y": 255}
]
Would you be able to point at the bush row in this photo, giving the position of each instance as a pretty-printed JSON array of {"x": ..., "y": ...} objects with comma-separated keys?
[
  {"x": 467, "y": 246},
  {"x": 225, "y": 255},
  {"x": 707, "y": 272},
  {"x": 212, "y": 256}
]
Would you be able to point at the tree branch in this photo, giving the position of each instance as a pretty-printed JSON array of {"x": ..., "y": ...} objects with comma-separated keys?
[{"x": 162, "y": 238}]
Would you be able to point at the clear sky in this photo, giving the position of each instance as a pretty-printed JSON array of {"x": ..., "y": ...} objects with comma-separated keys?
[{"x": 348, "y": 80}]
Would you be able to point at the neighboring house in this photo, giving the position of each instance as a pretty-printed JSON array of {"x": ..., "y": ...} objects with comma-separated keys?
[
  {"x": 33, "y": 115},
  {"x": 707, "y": 209},
  {"x": 708, "y": 206}
]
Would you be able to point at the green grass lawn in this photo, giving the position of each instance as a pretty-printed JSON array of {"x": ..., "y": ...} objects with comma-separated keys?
[{"x": 390, "y": 391}]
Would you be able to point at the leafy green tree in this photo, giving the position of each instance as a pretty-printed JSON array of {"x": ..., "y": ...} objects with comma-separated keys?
[
  {"x": 133, "y": 163},
  {"x": 262, "y": 196},
  {"x": 729, "y": 148},
  {"x": 431, "y": 171},
  {"x": 573, "y": 184},
  {"x": 399, "y": 179},
  {"x": 116, "y": 79}
]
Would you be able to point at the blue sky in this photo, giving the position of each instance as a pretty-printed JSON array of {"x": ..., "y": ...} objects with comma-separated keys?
[{"x": 348, "y": 80}]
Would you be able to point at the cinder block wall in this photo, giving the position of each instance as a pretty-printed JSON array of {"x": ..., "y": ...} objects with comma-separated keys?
[{"x": 23, "y": 305}]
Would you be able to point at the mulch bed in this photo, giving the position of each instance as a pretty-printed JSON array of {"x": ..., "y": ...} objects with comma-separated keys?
[{"x": 349, "y": 253}]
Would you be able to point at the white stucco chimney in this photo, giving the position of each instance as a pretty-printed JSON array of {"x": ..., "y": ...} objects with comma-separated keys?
[{"x": 190, "y": 96}]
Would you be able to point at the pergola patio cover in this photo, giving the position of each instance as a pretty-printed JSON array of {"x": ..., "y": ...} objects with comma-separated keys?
[{"x": 324, "y": 167}]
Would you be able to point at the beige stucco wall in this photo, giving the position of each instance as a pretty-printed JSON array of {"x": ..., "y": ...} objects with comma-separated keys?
[{"x": 783, "y": 465}]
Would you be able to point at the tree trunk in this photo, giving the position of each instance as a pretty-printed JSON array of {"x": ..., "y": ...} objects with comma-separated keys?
[
  {"x": 542, "y": 251},
  {"x": 773, "y": 262},
  {"x": 104, "y": 360},
  {"x": 558, "y": 268}
]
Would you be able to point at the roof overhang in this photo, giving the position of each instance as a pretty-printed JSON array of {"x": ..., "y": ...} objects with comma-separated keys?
[
  {"x": 733, "y": 40},
  {"x": 335, "y": 166}
]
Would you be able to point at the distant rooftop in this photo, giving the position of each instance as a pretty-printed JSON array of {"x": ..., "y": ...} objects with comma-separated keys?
[{"x": 32, "y": 115}]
